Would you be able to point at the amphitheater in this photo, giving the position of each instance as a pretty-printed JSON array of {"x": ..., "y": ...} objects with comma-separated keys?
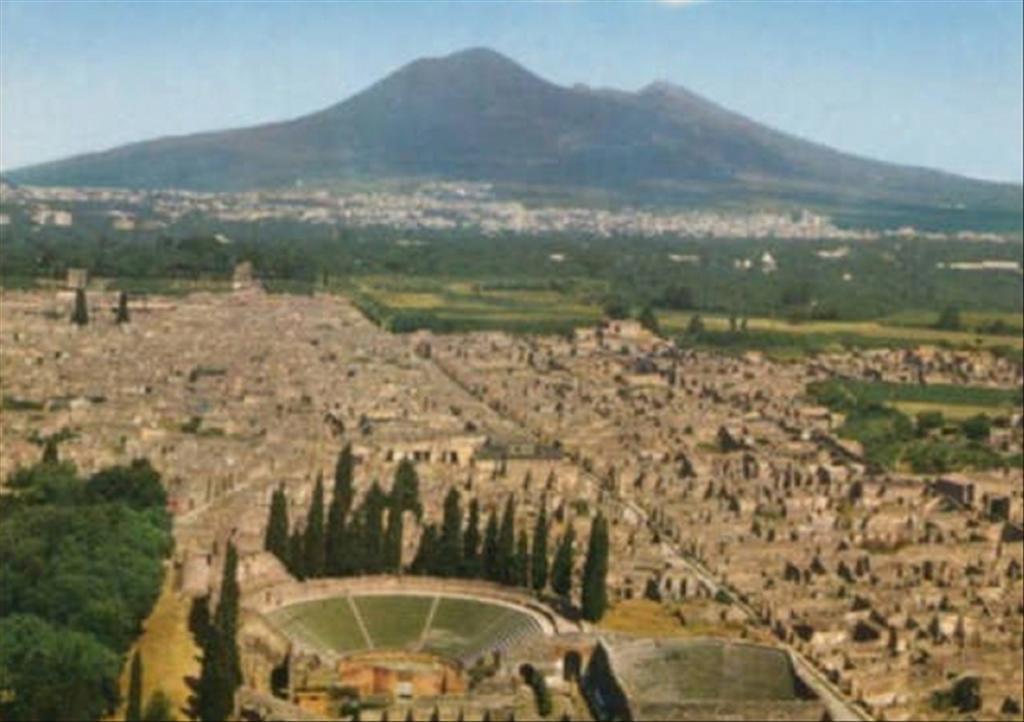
[{"x": 396, "y": 640}]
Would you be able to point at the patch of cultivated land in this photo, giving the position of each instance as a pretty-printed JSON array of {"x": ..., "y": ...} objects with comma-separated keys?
[{"x": 677, "y": 321}]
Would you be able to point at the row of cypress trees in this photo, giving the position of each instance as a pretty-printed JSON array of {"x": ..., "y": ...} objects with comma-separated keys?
[
  {"x": 368, "y": 540},
  {"x": 345, "y": 540},
  {"x": 80, "y": 311}
]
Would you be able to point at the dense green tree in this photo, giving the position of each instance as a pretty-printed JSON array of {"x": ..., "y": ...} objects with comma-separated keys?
[
  {"x": 122, "y": 308},
  {"x": 977, "y": 428},
  {"x": 53, "y": 673},
  {"x": 561, "y": 571},
  {"x": 94, "y": 567},
  {"x": 539, "y": 552},
  {"x": 594, "y": 600},
  {"x": 275, "y": 540},
  {"x": 471, "y": 542},
  {"x": 80, "y": 314},
  {"x": 521, "y": 561},
  {"x": 696, "y": 325},
  {"x": 491, "y": 570},
  {"x": 507, "y": 543},
  {"x": 450, "y": 560},
  {"x": 137, "y": 485},
  {"x": 133, "y": 708},
  {"x": 314, "y": 542}
]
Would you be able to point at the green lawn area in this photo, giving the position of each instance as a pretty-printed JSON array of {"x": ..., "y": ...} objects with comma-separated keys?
[
  {"x": 327, "y": 624},
  {"x": 464, "y": 625},
  {"x": 394, "y": 622},
  {"x": 460, "y": 626}
]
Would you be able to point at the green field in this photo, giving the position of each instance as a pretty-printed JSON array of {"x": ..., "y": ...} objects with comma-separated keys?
[
  {"x": 925, "y": 429},
  {"x": 394, "y": 622},
  {"x": 405, "y": 304},
  {"x": 408, "y": 304},
  {"x": 460, "y": 628},
  {"x": 324, "y": 624},
  {"x": 884, "y": 392}
]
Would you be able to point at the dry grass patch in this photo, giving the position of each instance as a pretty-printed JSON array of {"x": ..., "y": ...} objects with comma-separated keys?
[
  {"x": 656, "y": 619},
  {"x": 169, "y": 654}
]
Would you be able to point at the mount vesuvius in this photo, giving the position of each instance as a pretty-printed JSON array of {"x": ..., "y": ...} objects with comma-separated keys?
[{"x": 476, "y": 115}]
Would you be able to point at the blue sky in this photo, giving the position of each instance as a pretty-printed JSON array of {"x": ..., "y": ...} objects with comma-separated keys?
[{"x": 928, "y": 83}]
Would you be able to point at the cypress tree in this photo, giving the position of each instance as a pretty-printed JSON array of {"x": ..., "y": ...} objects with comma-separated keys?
[
  {"x": 80, "y": 314},
  {"x": 539, "y": 553},
  {"x": 561, "y": 571},
  {"x": 314, "y": 542},
  {"x": 450, "y": 558},
  {"x": 521, "y": 565},
  {"x": 393, "y": 539},
  {"x": 226, "y": 617},
  {"x": 471, "y": 542},
  {"x": 490, "y": 555},
  {"x": 215, "y": 693},
  {"x": 199, "y": 623},
  {"x": 426, "y": 555},
  {"x": 122, "y": 308},
  {"x": 297, "y": 555},
  {"x": 343, "y": 491},
  {"x": 133, "y": 711},
  {"x": 275, "y": 540},
  {"x": 334, "y": 544},
  {"x": 595, "y": 571},
  {"x": 371, "y": 531},
  {"x": 221, "y": 672},
  {"x": 507, "y": 543},
  {"x": 406, "y": 488}
]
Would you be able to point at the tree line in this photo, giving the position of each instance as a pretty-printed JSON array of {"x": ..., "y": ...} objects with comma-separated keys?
[
  {"x": 81, "y": 565},
  {"x": 346, "y": 540}
]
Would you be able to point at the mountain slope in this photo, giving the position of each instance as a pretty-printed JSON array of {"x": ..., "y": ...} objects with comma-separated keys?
[{"x": 475, "y": 115}]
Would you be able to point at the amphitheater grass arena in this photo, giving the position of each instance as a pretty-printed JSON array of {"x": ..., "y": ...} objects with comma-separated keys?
[{"x": 451, "y": 627}]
